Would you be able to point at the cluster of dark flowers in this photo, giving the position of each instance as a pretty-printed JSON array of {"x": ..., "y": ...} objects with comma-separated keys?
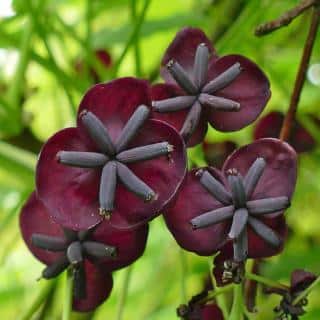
[{"x": 100, "y": 183}]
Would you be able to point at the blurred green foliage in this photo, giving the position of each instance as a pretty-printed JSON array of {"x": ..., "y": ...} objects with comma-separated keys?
[{"x": 40, "y": 88}]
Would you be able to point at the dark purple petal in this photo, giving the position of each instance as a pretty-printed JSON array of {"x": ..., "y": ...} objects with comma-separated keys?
[
  {"x": 98, "y": 288},
  {"x": 69, "y": 193},
  {"x": 258, "y": 247},
  {"x": 163, "y": 175},
  {"x": 176, "y": 119},
  {"x": 114, "y": 103},
  {"x": 202, "y": 241},
  {"x": 34, "y": 219},
  {"x": 251, "y": 89},
  {"x": 211, "y": 312},
  {"x": 183, "y": 50},
  {"x": 301, "y": 280},
  {"x": 279, "y": 176},
  {"x": 129, "y": 244},
  {"x": 270, "y": 126}
]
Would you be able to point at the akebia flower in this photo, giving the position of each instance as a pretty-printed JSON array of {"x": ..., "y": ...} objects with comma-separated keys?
[
  {"x": 270, "y": 126},
  {"x": 103, "y": 57},
  {"x": 242, "y": 204},
  {"x": 116, "y": 164},
  {"x": 300, "y": 280},
  {"x": 229, "y": 92},
  {"x": 91, "y": 255}
]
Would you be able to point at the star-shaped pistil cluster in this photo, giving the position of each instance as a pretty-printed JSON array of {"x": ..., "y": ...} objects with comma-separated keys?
[
  {"x": 238, "y": 207},
  {"x": 76, "y": 247},
  {"x": 114, "y": 157},
  {"x": 199, "y": 91}
]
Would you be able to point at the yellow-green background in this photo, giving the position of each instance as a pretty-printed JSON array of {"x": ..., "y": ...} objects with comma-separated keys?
[{"x": 39, "y": 44}]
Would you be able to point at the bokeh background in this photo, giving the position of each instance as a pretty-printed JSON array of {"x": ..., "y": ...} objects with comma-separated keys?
[{"x": 49, "y": 57}]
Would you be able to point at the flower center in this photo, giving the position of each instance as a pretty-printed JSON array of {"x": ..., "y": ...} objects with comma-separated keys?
[
  {"x": 237, "y": 206},
  {"x": 199, "y": 92},
  {"x": 114, "y": 158},
  {"x": 74, "y": 247}
]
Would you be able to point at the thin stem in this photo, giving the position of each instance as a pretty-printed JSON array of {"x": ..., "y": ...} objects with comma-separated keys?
[
  {"x": 217, "y": 292},
  {"x": 251, "y": 287},
  {"x": 304, "y": 293},
  {"x": 67, "y": 300},
  {"x": 237, "y": 308},
  {"x": 137, "y": 53},
  {"x": 266, "y": 281},
  {"x": 301, "y": 75},
  {"x": 184, "y": 272},
  {"x": 38, "y": 301},
  {"x": 124, "y": 292},
  {"x": 133, "y": 36},
  {"x": 221, "y": 299}
]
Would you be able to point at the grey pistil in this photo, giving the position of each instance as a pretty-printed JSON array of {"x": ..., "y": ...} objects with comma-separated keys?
[
  {"x": 238, "y": 207},
  {"x": 114, "y": 157},
  {"x": 199, "y": 91}
]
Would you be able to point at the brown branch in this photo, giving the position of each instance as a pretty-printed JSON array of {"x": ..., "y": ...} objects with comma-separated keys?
[
  {"x": 285, "y": 18},
  {"x": 301, "y": 75}
]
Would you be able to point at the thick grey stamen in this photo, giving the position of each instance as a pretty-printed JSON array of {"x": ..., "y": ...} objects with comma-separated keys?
[
  {"x": 74, "y": 253},
  {"x": 212, "y": 217},
  {"x": 79, "y": 282},
  {"x": 200, "y": 67},
  {"x": 108, "y": 183},
  {"x": 145, "y": 152},
  {"x": 132, "y": 126},
  {"x": 181, "y": 77},
  {"x": 215, "y": 187},
  {"x": 265, "y": 232},
  {"x": 223, "y": 79},
  {"x": 239, "y": 223},
  {"x": 134, "y": 184},
  {"x": 269, "y": 205},
  {"x": 48, "y": 243},
  {"x": 253, "y": 175},
  {"x": 191, "y": 122},
  {"x": 84, "y": 234},
  {"x": 82, "y": 159},
  {"x": 99, "y": 250},
  {"x": 237, "y": 189},
  {"x": 97, "y": 132},
  {"x": 55, "y": 268},
  {"x": 173, "y": 104},
  {"x": 219, "y": 103},
  {"x": 240, "y": 247}
]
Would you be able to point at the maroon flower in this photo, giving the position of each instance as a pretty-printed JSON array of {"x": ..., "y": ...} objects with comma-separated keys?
[
  {"x": 243, "y": 203},
  {"x": 91, "y": 255},
  {"x": 270, "y": 126},
  {"x": 103, "y": 57},
  {"x": 198, "y": 307},
  {"x": 229, "y": 92},
  {"x": 300, "y": 280},
  {"x": 116, "y": 160},
  {"x": 200, "y": 312},
  {"x": 216, "y": 153}
]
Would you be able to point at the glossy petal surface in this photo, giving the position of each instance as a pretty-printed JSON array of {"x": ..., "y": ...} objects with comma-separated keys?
[
  {"x": 130, "y": 244},
  {"x": 98, "y": 287},
  {"x": 176, "y": 119},
  {"x": 279, "y": 175},
  {"x": 251, "y": 89},
  {"x": 183, "y": 49},
  {"x": 194, "y": 199},
  {"x": 34, "y": 218}
]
